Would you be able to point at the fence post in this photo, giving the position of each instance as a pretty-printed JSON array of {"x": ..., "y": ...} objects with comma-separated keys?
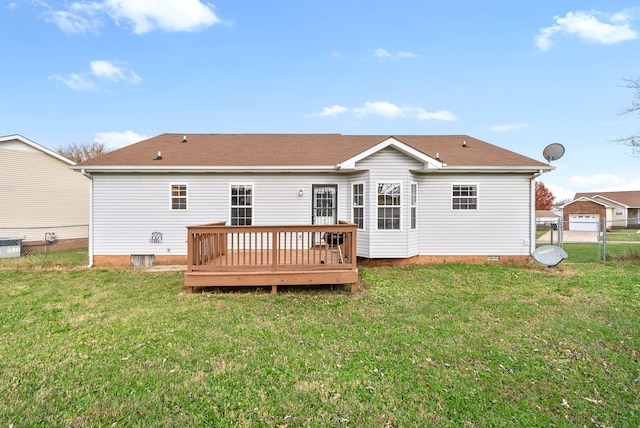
[{"x": 604, "y": 240}]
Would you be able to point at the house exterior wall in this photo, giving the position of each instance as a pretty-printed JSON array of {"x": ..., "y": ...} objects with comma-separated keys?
[
  {"x": 38, "y": 190},
  {"x": 390, "y": 166},
  {"x": 583, "y": 207},
  {"x": 487, "y": 231},
  {"x": 129, "y": 207}
]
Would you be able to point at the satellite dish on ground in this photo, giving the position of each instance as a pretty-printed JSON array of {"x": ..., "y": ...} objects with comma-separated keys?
[
  {"x": 553, "y": 152},
  {"x": 549, "y": 255}
]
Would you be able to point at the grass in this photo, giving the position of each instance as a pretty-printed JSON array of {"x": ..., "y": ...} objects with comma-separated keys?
[{"x": 445, "y": 345}]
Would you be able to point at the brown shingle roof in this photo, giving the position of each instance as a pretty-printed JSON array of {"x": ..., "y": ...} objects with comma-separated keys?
[
  {"x": 630, "y": 198},
  {"x": 290, "y": 150}
]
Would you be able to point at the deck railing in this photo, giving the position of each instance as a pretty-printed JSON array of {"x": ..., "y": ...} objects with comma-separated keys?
[{"x": 219, "y": 248}]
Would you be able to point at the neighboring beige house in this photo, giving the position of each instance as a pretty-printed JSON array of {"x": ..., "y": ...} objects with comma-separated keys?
[
  {"x": 41, "y": 198},
  {"x": 587, "y": 210}
]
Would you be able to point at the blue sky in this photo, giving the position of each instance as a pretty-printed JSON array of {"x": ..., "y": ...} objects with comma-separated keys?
[{"x": 518, "y": 74}]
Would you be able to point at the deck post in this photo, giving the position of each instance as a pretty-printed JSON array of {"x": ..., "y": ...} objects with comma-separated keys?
[{"x": 274, "y": 289}]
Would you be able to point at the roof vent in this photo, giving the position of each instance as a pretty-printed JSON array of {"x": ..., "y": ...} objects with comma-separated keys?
[
  {"x": 184, "y": 139},
  {"x": 464, "y": 143},
  {"x": 159, "y": 157},
  {"x": 437, "y": 156}
]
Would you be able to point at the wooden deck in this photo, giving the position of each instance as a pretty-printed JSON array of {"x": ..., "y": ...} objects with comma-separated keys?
[{"x": 221, "y": 256}]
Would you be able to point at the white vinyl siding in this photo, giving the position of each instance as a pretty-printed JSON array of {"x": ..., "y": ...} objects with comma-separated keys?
[
  {"x": 491, "y": 230},
  {"x": 127, "y": 231},
  {"x": 277, "y": 200},
  {"x": 389, "y": 166}
]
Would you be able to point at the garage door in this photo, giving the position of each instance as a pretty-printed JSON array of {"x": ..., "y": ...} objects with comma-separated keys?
[{"x": 588, "y": 222}]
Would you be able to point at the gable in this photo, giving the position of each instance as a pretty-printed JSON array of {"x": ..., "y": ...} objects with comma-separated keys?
[
  {"x": 22, "y": 144},
  {"x": 421, "y": 160},
  {"x": 627, "y": 198}
]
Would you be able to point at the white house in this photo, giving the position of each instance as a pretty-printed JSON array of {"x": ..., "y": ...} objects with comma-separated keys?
[
  {"x": 424, "y": 197},
  {"x": 41, "y": 199}
]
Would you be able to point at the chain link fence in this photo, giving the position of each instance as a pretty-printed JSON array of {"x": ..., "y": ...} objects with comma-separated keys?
[
  {"x": 592, "y": 241},
  {"x": 18, "y": 241}
]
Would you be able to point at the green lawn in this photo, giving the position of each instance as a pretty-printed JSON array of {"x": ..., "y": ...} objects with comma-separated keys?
[{"x": 445, "y": 345}]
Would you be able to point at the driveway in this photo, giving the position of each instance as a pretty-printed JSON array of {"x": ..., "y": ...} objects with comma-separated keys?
[{"x": 570, "y": 236}]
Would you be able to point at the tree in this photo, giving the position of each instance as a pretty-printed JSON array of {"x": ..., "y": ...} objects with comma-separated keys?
[
  {"x": 82, "y": 152},
  {"x": 544, "y": 197},
  {"x": 633, "y": 140}
]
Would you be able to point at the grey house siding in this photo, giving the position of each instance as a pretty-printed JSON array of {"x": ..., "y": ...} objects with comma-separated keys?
[{"x": 489, "y": 230}]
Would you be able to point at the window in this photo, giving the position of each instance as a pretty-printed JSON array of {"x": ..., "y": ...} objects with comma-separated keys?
[
  {"x": 358, "y": 205},
  {"x": 464, "y": 197},
  {"x": 241, "y": 204},
  {"x": 389, "y": 206},
  {"x": 414, "y": 206},
  {"x": 178, "y": 196},
  {"x": 619, "y": 212}
]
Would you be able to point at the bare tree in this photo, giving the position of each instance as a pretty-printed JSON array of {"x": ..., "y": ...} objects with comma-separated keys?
[
  {"x": 633, "y": 140},
  {"x": 82, "y": 152}
]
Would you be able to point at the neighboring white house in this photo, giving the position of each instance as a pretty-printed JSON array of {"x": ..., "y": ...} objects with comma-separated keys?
[
  {"x": 438, "y": 197},
  {"x": 40, "y": 197}
]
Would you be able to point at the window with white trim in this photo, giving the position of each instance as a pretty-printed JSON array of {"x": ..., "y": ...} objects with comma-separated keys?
[
  {"x": 241, "y": 204},
  {"x": 464, "y": 197},
  {"x": 619, "y": 212},
  {"x": 178, "y": 197},
  {"x": 414, "y": 205},
  {"x": 358, "y": 205},
  {"x": 389, "y": 206}
]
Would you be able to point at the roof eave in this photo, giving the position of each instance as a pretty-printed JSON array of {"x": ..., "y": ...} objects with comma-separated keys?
[
  {"x": 500, "y": 169},
  {"x": 201, "y": 169}
]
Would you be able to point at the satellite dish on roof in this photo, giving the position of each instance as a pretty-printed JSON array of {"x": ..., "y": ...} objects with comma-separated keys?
[
  {"x": 553, "y": 152},
  {"x": 549, "y": 255}
]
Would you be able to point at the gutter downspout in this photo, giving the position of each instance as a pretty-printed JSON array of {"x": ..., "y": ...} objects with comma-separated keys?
[
  {"x": 532, "y": 210},
  {"x": 90, "y": 237}
]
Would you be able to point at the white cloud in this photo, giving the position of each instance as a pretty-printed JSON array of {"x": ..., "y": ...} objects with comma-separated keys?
[
  {"x": 336, "y": 55},
  {"x": 108, "y": 71},
  {"x": 590, "y": 26},
  {"x": 75, "y": 81},
  {"x": 167, "y": 15},
  {"x": 387, "y": 110},
  {"x": 597, "y": 182},
  {"x": 142, "y": 16},
  {"x": 384, "y": 54},
  {"x": 333, "y": 110},
  {"x": 509, "y": 128},
  {"x": 380, "y": 108},
  {"x": 560, "y": 193},
  {"x": 445, "y": 115},
  {"x": 116, "y": 140},
  {"x": 102, "y": 70}
]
